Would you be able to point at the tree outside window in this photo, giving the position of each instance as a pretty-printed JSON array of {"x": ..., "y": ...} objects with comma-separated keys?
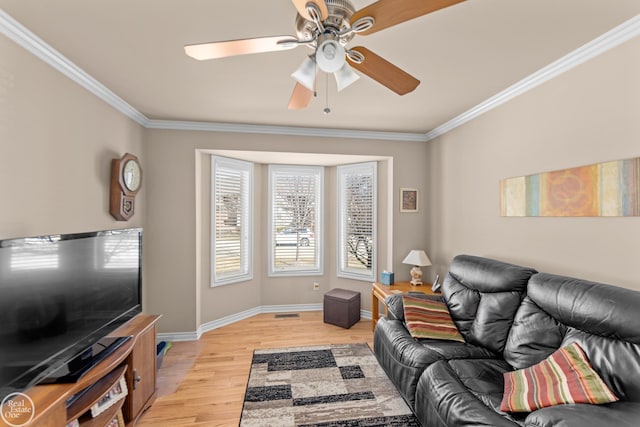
[
  {"x": 357, "y": 220},
  {"x": 295, "y": 195}
]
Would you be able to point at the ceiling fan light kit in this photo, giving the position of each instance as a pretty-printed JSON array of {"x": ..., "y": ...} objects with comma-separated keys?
[
  {"x": 345, "y": 76},
  {"x": 327, "y": 26},
  {"x": 330, "y": 56},
  {"x": 306, "y": 73}
]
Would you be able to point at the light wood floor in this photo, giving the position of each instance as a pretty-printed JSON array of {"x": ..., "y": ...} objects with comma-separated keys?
[{"x": 203, "y": 383}]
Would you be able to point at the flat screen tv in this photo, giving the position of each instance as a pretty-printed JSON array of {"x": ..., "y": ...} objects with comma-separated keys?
[{"x": 59, "y": 296}]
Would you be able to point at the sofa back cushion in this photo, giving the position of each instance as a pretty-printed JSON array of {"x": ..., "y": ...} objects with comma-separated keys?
[
  {"x": 603, "y": 319},
  {"x": 535, "y": 334},
  {"x": 483, "y": 296}
]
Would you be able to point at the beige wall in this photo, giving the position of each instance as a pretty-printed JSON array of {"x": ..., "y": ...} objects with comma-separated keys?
[
  {"x": 57, "y": 139},
  {"x": 587, "y": 115},
  {"x": 56, "y": 145},
  {"x": 178, "y": 223}
]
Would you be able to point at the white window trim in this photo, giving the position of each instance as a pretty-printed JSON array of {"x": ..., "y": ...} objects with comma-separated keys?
[
  {"x": 341, "y": 171},
  {"x": 319, "y": 241},
  {"x": 247, "y": 231}
]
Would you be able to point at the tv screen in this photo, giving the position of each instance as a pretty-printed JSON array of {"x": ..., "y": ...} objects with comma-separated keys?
[{"x": 59, "y": 295}]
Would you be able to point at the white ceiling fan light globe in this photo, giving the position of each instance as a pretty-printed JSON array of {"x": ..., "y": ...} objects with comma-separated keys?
[
  {"x": 306, "y": 73},
  {"x": 330, "y": 56},
  {"x": 345, "y": 76}
]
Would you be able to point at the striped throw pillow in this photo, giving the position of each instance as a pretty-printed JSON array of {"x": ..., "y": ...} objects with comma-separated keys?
[
  {"x": 429, "y": 319},
  {"x": 564, "y": 377}
]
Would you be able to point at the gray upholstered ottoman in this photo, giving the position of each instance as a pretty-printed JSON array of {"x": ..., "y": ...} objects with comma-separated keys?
[{"x": 342, "y": 307}]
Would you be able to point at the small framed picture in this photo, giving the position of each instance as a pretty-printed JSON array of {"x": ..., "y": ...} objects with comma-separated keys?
[
  {"x": 435, "y": 287},
  {"x": 409, "y": 200},
  {"x": 117, "y": 392}
]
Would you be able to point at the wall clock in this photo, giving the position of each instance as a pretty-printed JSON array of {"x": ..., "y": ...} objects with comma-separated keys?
[{"x": 126, "y": 179}]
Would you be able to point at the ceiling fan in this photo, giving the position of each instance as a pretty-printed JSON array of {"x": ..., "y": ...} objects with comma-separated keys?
[{"x": 326, "y": 26}]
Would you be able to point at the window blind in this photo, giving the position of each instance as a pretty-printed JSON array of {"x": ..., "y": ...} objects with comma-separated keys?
[
  {"x": 357, "y": 220},
  {"x": 231, "y": 220},
  {"x": 295, "y": 222}
]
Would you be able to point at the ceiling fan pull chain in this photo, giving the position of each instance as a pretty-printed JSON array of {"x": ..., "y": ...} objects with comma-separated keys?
[
  {"x": 326, "y": 110},
  {"x": 315, "y": 82}
]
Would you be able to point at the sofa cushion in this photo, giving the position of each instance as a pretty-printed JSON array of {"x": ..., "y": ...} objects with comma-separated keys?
[
  {"x": 602, "y": 319},
  {"x": 618, "y": 414},
  {"x": 597, "y": 308},
  {"x": 404, "y": 358},
  {"x": 564, "y": 377},
  {"x": 464, "y": 393},
  {"x": 533, "y": 336},
  {"x": 429, "y": 319},
  {"x": 483, "y": 296}
]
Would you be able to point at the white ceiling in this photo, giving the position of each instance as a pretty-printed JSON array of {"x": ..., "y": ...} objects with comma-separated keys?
[{"x": 462, "y": 55}]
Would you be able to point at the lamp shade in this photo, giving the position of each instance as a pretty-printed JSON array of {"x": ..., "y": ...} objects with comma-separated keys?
[
  {"x": 306, "y": 74},
  {"x": 345, "y": 76},
  {"x": 417, "y": 257}
]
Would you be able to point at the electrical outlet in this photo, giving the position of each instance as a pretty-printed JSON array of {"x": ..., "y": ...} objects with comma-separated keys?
[{"x": 316, "y": 286}]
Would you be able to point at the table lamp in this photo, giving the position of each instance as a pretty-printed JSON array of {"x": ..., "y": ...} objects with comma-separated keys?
[{"x": 418, "y": 259}]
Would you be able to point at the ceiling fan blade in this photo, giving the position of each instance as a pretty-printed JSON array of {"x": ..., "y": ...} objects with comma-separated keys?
[
  {"x": 227, "y": 48},
  {"x": 388, "y": 13},
  {"x": 301, "y": 6},
  {"x": 300, "y": 97},
  {"x": 384, "y": 72}
]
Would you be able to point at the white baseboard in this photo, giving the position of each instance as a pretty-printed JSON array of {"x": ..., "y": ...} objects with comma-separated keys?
[
  {"x": 227, "y": 320},
  {"x": 178, "y": 336}
]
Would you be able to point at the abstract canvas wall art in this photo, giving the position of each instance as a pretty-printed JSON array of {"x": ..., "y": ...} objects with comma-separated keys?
[{"x": 601, "y": 189}]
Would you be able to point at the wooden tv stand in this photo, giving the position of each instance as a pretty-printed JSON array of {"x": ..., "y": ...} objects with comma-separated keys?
[{"x": 135, "y": 359}]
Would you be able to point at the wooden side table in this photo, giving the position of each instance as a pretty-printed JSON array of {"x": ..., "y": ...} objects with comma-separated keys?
[{"x": 379, "y": 292}]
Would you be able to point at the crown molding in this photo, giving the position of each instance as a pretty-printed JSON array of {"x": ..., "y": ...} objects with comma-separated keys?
[
  {"x": 38, "y": 47},
  {"x": 618, "y": 35},
  {"x": 283, "y": 130}
]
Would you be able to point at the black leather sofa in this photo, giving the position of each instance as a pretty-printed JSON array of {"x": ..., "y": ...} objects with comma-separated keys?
[{"x": 513, "y": 317}]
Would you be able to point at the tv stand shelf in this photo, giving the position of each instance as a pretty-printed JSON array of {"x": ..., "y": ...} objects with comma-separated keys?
[
  {"x": 94, "y": 393},
  {"x": 101, "y": 420},
  {"x": 135, "y": 359}
]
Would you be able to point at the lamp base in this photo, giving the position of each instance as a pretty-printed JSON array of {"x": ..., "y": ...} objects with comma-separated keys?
[{"x": 416, "y": 276}]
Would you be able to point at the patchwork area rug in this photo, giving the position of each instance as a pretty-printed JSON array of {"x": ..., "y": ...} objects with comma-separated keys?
[{"x": 333, "y": 385}]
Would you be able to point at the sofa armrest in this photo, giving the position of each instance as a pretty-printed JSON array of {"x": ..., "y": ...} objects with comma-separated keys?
[
  {"x": 396, "y": 308},
  {"x": 619, "y": 414}
]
